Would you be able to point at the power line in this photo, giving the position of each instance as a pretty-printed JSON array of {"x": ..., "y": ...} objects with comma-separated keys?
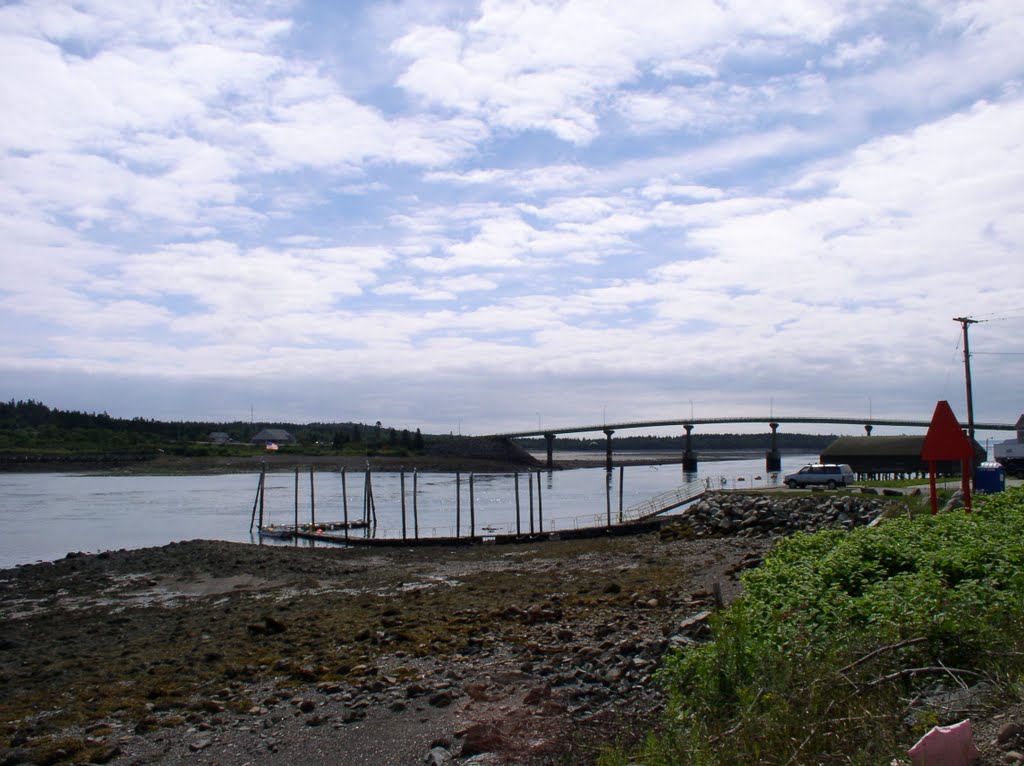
[{"x": 1001, "y": 316}]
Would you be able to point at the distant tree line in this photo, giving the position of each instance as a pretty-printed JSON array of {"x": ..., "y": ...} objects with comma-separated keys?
[{"x": 33, "y": 426}]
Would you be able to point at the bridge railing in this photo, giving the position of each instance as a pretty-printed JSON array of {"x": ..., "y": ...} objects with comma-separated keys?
[{"x": 799, "y": 419}]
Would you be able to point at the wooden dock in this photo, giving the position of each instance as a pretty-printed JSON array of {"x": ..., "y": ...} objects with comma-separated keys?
[
  {"x": 359, "y": 541},
  {"x": 641, "y": 517},
  {"x": 307, "y": 531}
]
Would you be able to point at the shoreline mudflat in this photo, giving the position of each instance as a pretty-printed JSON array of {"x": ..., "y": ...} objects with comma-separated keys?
[
  {"x": 168, "y": 465},
  {"x": 231, "y": 653}
]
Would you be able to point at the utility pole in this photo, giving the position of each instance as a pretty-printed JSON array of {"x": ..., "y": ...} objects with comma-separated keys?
[{"x": 965, "y": 322}]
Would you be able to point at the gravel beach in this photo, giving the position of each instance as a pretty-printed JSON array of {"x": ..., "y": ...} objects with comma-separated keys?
[{"x": 231, "y": 654}]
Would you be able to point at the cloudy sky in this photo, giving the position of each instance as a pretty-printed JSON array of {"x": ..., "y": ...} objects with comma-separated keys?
[{"x": 482, "y": 216}]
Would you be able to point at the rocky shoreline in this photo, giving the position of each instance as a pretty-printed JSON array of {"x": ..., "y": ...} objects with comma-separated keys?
[
  {"x": 230, "y": 654},
  {"x": 746, "y": 515}
]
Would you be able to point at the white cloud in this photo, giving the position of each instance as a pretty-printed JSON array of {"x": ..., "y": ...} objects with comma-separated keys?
[
  {"x": 721, "y": 104},
  {"x": 336, "y": 132},
  {"x": 860, "y": 51},
  {"x": 446, "y": 289},
  {"x": 619, "y": 200},
  {"x": 660, "y": 189},
  {"x": 906, "y": 217},
  {"x": 528, "y": 66},
  {"x": 255, "y": 283},
  {"x": 528, "y": 181}
]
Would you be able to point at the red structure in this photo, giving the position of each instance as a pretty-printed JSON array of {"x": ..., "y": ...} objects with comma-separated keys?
[{"x": 945, "y": 440}]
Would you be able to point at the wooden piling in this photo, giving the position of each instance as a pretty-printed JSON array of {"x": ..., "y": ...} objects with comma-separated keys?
[
  {"x": 401, "y": 475},
  {"x": 540, "y": 506},
  {"x": 344, "y": 501},
  {"x": 608, "y": 478},
  {"x": 622, "y": 473},
  {"x": 472, "y": 510},
  {"x": 263, "y": 490},
  {"x": 296, "y": 505},
  {"x": 531, "y": 502},
  {"x": 371, "y": 506},
  {"x": 373, "y": 502},
  {"x": 312, "y": 502},
  {"x": 255, "y": 502},
  {"x": 519, "y": 526},
  {"x": 458, "y": 503},
  {"x": 415, "y": 507}
]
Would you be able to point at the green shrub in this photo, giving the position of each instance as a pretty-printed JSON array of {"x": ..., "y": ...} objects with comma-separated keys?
[{"x": 813, "y": 664}]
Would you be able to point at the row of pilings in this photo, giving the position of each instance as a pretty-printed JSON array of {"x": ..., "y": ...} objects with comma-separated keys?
[{"x": 361, "y": 519}]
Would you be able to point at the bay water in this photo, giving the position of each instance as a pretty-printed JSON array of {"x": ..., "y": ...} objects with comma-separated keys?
[{"x": 46, "y": 515}]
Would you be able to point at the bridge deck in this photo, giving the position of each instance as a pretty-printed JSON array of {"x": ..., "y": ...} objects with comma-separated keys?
[{"x": 627, "y": 425}]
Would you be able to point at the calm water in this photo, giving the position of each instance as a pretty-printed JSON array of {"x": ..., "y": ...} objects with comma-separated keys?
[{"x": 46, "y": 515}]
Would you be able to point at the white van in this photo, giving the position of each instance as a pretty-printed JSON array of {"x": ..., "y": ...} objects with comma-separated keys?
[{"x": 829, "y": 475}]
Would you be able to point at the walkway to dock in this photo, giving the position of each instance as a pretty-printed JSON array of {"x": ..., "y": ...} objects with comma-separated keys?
[{"x": 665, "y": 502}]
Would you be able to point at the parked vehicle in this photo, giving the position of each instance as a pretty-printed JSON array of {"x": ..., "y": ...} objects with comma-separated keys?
[
  {"x": 824, "y": 474},
  {"x": 1010, "y": 455}
]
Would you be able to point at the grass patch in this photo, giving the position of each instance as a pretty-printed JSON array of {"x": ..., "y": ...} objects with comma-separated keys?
[
  {"x": 844, "y": 643},
  {"x": 951, "y": 483}
]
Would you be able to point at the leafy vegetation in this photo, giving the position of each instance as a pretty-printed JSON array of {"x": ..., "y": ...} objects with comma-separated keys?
[{"x": 844, "y": 643}]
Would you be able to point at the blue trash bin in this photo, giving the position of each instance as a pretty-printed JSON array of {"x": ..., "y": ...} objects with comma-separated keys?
[{"x": 990, "y": 477}]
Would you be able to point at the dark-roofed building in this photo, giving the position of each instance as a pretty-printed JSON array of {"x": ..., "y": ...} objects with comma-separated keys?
[
  {"x": 888, "y": 456},
  {"x": 273, "y": 436},
  {"x": 218, "y": 437}
]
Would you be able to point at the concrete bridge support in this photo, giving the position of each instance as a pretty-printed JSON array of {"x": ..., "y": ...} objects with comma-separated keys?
[
  {"x": 772, "y": 458},
  {"x": 689, "y": 456},
  {"x": 608, "y": 448},
  {"x": 550, "y": 439}
]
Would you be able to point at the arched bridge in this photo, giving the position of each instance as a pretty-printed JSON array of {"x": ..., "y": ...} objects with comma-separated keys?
[{"x": 772, "y": 459}]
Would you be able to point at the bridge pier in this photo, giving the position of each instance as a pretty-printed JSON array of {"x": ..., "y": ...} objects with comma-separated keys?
[
  {"x": 689, "y": 456},
  {"x": 868, "y": 428},
  {"x": 550, "y": 439},
  {"x": 608, "y": 448},
  {"x": 772, "y": 458}
]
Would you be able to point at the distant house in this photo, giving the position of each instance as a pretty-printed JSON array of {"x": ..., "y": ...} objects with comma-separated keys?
[
  {"x": 218, "y": 437},
  {"x": 273, "y": 436},
  {"x": 888, "y": 456}
]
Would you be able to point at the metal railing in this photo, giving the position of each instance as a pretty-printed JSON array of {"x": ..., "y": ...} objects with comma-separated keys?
[{"x": 666, "y": 501}]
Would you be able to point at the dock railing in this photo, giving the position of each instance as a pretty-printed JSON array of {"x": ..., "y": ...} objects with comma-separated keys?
[{"x": 666, "y": 501}]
